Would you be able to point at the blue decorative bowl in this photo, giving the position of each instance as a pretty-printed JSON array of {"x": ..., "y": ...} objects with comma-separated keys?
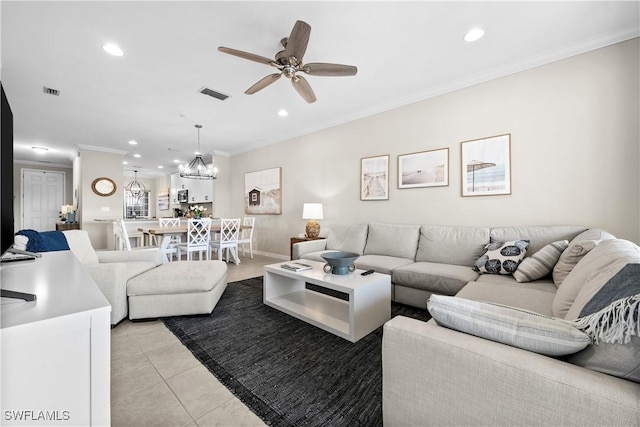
[{"x": 339, "y": 262}]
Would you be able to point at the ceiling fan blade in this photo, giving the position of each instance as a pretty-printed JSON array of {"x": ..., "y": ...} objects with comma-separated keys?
[
  {"x": 262, "y": 83},
  {"x": 298, "y": 40},
  {"x": 246, "y": 55},
  {"x": 322, "y": 69},
  {"x": 304, "y": 88}
]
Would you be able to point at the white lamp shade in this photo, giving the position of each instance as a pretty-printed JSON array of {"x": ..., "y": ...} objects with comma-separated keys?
[{"x": 312, "y": 211}]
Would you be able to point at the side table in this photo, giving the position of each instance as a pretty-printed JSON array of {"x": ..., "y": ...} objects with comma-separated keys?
[
  {"x": 61, "y": 226},
  {"x": 300, "y": 239}
]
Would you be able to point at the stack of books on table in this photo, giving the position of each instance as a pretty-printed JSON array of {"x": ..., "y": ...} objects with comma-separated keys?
[{"x": 296, "y": 266}]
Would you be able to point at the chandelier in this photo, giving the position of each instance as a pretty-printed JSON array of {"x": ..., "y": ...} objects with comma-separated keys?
[
  {"x": 135, "y": 188},
  {"x": 197, "y": 169}
]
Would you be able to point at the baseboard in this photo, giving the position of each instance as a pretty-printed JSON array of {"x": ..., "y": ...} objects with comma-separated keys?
[{"x": 271, "y": 255}]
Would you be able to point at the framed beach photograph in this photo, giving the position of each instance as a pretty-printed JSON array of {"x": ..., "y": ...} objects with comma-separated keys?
[
  {"x": 263, "y": 192},
  {"x": 486, "y": 166},
  {"x": 374, "y": 178},
  {"x": 424, "y": 169}
]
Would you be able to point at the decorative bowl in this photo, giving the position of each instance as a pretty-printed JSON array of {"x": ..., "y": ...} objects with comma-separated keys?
[{"x": 339, "y": 262}]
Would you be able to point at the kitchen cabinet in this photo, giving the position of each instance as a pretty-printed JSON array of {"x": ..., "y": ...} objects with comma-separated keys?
[{"x": 200, "y": 190}]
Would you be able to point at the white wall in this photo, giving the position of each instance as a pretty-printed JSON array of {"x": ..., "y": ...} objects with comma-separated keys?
[{"x": 574, "y": 149}]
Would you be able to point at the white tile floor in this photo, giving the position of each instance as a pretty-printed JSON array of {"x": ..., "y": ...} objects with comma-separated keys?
[{"x": 156, "y": 381}]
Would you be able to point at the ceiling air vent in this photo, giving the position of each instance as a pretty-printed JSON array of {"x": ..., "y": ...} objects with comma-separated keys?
[
  {"x": 218, "y": 95},
  {"x": 50, "y": 91}
]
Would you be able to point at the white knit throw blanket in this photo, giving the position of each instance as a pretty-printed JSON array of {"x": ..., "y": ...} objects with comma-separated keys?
[{"x": 616, "y": 323}]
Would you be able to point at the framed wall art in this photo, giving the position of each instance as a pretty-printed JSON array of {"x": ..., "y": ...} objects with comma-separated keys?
[
  {"x": 374, "y": 178},
  {"x": 424, "y": 169},
  {"x": 163, "y": 199},
  {"x": 486, "y": 166},
  {"x": 263, "y": 192}
]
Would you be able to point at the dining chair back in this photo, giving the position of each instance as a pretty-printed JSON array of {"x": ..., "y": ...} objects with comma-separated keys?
[
  {"x": 246, "y": 235},
  {"x": 229, "y": 231},
  {"x": 175, "y": 240},
  {"x": 198, "y": 239},
  {"x": 123, "y": 238}
]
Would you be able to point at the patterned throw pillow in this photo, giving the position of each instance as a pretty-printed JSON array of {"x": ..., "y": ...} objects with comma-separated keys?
[
  {"x": 501, "y": 257},
  {"x": 541, "y": 263},
  {"x": 508, "y": 325}
]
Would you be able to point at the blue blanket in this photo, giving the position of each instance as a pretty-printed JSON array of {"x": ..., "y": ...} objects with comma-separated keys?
[{"x": 46, "y": 241}]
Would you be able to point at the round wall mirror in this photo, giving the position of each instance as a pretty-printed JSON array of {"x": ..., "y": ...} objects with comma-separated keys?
[{"x": 103, "y": 186}]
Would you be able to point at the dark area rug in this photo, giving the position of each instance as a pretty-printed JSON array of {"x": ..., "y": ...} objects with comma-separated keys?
[{"x": 288, "y": 372}]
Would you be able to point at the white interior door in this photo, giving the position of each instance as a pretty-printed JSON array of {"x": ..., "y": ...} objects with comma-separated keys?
[{"x": 42, "y": 197}]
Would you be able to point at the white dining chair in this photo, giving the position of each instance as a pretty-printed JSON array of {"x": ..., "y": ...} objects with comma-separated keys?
[
  {"x": 123, "y": 242},
  {"x": 229, "y": 231},
  {"x": 198, "y": 239},
  {"x": 246, "y": 236},
  {"x": 175, "y": 240}
]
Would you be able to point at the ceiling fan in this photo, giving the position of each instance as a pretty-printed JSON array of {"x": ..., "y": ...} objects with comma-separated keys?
[{"x": 289, "y": 62}]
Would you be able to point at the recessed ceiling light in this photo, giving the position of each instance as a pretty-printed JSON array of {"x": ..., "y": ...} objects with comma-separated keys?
[
  {"x": 40, "y": 150},
  {"x": 283, "y": 113},
  {"x": 124, "y": 162},
  {"x": 474, "y": 34},
  {"x": 160, "y": 167},
  {"x": 132, "y": 142},
  {"x": 176, "y": 161},
  {"x": 112, "y": 49},
  {"x": 137, "y": 155}
]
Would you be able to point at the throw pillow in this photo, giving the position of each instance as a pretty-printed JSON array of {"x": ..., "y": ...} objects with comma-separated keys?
[
  {"x": 612, "y": 319},
  {"x": 541, "y": 263},
  {"x": 508, "y": 325},
  {"x": 569, "y": 258},
  {"x": 501, "y": 257}
]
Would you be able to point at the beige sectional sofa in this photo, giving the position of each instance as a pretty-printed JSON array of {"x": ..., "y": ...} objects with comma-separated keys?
[{"x": 437, "y": 376}]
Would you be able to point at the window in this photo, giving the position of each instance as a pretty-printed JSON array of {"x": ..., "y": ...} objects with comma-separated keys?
[{"x": 136, "y": 208}]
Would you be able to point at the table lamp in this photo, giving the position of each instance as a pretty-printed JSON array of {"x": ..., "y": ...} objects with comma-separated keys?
[{"x": 312, "y": 212}]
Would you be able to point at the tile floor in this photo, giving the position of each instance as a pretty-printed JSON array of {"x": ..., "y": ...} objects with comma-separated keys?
[{"x": 156, "y": 381}]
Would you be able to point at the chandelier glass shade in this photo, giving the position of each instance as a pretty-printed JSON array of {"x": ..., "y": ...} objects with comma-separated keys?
[
  {"x": 135, "y": 188},
  {"x": 197, "y": 169}
]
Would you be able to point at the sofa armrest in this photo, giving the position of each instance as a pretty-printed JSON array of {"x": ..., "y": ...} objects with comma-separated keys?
[
  {"x": 308, "y": 246},
  {"x": 111, "y": 279},
  {"x": 437, "y": 376},
  {"x": 148, "y": 255}
]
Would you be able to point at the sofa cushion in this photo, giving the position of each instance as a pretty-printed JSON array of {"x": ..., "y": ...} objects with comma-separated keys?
[
  {"x": 541, "y": 263},
  {"x": 437, "y": 278},
  {"x": 396, "y": 240},
  {"x": 347, "y": 238},
  {"x": 591, "y": 273},
  {"x": 592, "y": 234},
  {"x": 570, "y": 257},
  {"x": 316, "y": 256},
  {"x": 178, "y": 278},
  {"x": 535, "y": 296},
  {"x": 538, "y": 236},
  {"x": 381, "y": 263},
  {"x": 451, "y": 245},
  {"x": 501, "y": 257},
  {"x": 80, "y": 245},
  {"x": 508, "y": 325}
]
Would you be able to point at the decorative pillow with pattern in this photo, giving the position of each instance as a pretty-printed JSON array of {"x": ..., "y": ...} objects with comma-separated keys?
[
  {"x": 502, "y": 257},
  {"x": 508, "y": 325},
  {"x": 541, "y": 263}
]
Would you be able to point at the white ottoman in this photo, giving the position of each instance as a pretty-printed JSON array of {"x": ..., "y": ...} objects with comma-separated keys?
[{"x": 176, "y": 289}]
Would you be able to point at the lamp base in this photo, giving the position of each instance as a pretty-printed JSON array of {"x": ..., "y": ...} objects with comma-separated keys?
[{"x": 313, "y": 228}]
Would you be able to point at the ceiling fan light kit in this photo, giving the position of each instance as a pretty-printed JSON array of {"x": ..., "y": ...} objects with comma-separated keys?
[
  {"x": 197, "y": 169},
  {"x": 289, "y": 62}
]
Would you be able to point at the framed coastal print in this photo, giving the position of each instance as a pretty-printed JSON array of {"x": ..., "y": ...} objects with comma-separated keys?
[
  {"x": 486, "y": 166},
  {"x": 263, "y": 192},
  {"x": 424, "y": 169},
  {"x": 163, "y": 199},
  {"x": 374, "y": 178}
]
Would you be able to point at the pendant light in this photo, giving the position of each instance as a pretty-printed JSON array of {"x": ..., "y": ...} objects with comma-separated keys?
[
  {"x": 135, "y": 188},
  {"x": 197, "y": 169}
]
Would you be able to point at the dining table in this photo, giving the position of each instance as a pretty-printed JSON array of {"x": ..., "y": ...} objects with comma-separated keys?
[{"x": 168, "y": 232}]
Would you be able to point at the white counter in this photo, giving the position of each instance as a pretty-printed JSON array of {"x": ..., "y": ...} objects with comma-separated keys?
[{"x": 55, "y": 350}]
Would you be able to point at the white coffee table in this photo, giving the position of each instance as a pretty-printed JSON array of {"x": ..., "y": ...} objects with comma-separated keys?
[{"x": 368, "y": 307}]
